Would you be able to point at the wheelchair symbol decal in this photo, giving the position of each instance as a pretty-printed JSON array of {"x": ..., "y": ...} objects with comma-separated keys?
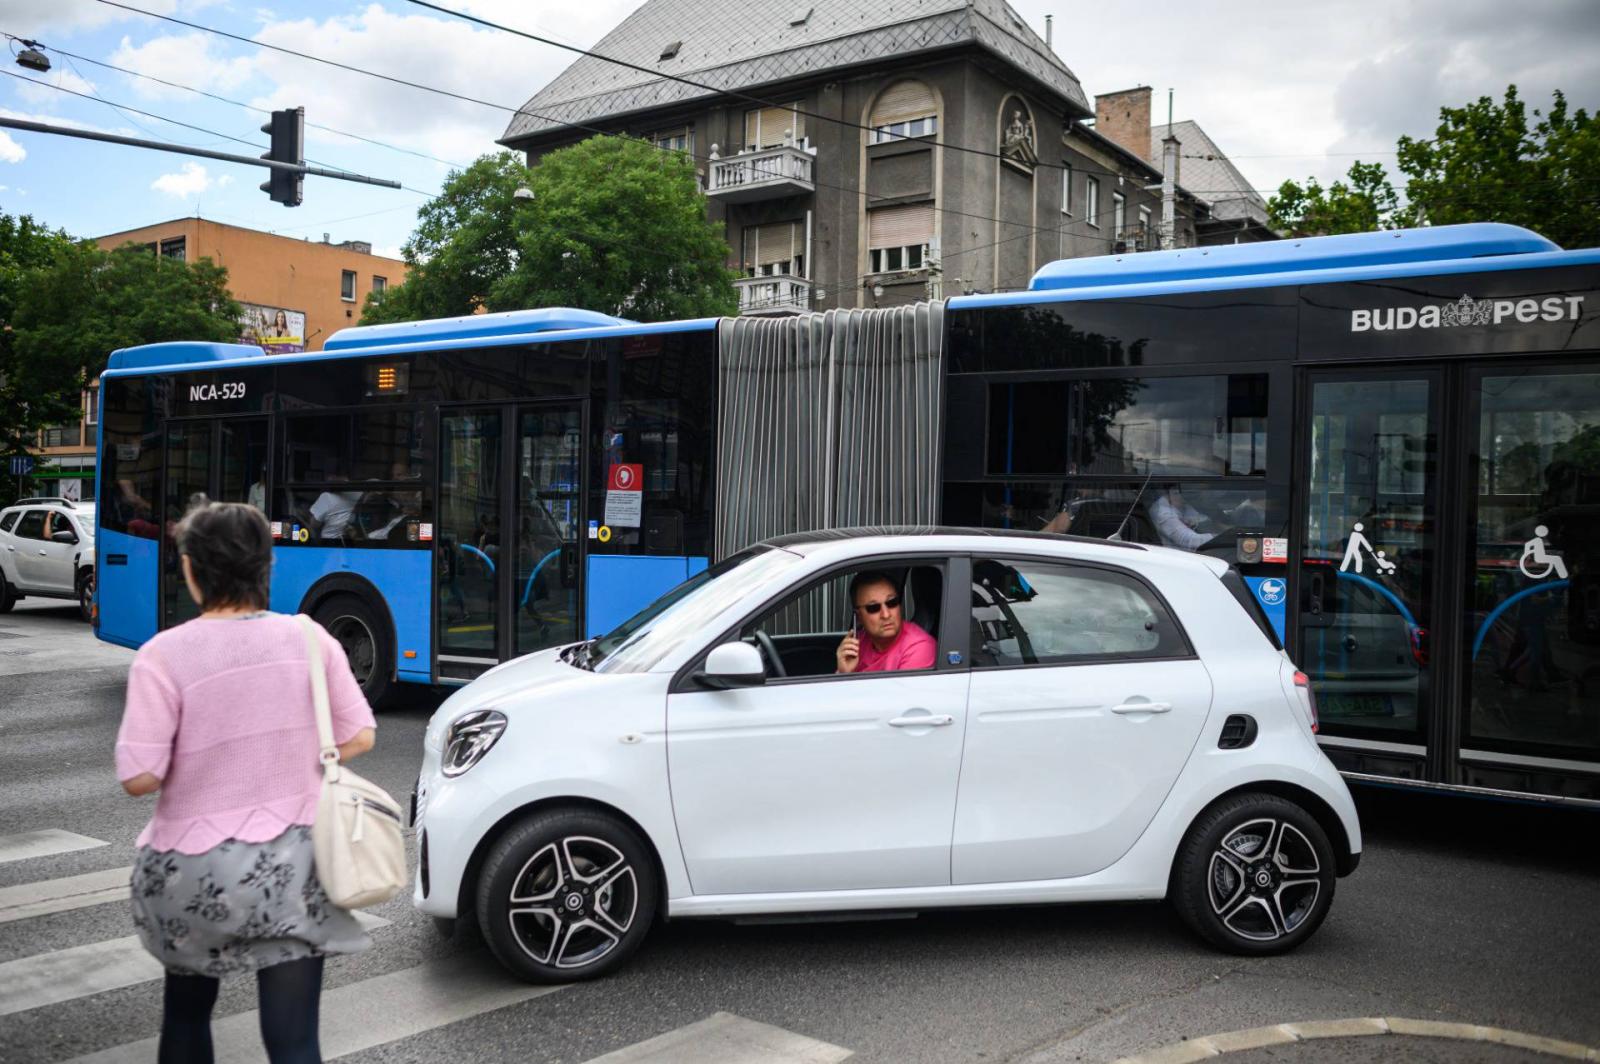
[{"x": 1536, "y": 562}]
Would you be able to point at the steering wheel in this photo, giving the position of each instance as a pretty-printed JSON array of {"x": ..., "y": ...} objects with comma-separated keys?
[{"x": 770, "y": 650}]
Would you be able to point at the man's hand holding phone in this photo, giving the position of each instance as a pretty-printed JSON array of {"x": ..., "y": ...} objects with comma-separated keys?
[{"x": 848, "y": 656}]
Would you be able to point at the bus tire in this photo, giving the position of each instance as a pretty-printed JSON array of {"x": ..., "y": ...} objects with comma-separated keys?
[{"x": 361, "y": 630}]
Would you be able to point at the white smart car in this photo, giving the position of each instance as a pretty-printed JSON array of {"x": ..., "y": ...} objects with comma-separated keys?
[{"x": 1100, "y": 721}]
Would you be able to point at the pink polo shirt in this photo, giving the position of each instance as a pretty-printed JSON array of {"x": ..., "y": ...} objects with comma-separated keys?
[
  {"x": 913, "y": 648},
  {"x": 220, "y": 711}
]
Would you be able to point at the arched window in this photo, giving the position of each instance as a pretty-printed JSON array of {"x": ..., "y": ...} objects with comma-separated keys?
[{"x": 906, "y": 109}]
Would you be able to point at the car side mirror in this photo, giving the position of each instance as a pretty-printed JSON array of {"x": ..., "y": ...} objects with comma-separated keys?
[
  {"x": 66, "y": 535},
  {"x": 730, "y": 665}
]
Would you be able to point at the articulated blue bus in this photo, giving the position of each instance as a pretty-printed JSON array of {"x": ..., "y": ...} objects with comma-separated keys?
[{"x": 1394, "y": 436}]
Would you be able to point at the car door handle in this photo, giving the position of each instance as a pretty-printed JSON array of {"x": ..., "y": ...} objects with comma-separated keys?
[
  {"x": 44, "y": 554},
  {"x": 1142, "y": 707},
  {"x": 926, "y": 721}
]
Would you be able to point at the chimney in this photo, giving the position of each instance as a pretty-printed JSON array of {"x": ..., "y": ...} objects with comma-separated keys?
[
  {"x": 1125, "y": 118},
  {"x": 1050, "y": 32}
]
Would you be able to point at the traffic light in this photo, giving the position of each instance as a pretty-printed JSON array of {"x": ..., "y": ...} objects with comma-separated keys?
[{"x": 288, "y": 132}]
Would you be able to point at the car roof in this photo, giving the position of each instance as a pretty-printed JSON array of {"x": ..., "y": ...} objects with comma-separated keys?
[{"x": 954, "y": 538}]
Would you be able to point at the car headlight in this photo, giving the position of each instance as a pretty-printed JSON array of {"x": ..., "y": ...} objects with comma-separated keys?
[{"x": 469, "y": 738}]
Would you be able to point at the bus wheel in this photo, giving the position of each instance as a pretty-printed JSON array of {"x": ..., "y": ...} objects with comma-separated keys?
[{"x": 360, "y": 630}]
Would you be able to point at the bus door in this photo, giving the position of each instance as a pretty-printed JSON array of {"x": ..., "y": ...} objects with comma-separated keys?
[
  {"x": 220, "y": 459},
  {"x": 507, "y": 549},
  {"x": 1367, "y": 548}
]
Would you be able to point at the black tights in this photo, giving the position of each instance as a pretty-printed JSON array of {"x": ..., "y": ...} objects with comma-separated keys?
[{"x": 288, "y": 995}]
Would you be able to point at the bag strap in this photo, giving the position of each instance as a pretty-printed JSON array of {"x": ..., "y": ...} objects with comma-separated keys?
[{"x": 329, "y": 750}]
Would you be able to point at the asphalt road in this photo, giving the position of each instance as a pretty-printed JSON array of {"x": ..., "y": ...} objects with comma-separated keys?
[{"x": 1462, "y": 912}]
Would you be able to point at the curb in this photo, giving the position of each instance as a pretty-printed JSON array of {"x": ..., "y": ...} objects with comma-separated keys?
[{"x": 1215, "y": 1045}]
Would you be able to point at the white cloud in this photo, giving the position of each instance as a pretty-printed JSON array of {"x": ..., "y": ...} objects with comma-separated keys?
[
  {"x": 224, "y": 180},
  {"x": 10, "y": 150},
  {"x": 44, "y": 90},
  {"x": 196, "y": 59},
  {"x": 44, "y": 18},
  {"x": 190, "y": 181},
  {"x": 443, "y": 53}
]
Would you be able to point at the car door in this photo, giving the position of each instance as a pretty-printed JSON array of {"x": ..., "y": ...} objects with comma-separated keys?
[
  {"x": 821, "y": 782},
  {"x": 55, "y": 571},
  {"x": 1085, "y": 704},
  {"x": 26, "y": 549}
]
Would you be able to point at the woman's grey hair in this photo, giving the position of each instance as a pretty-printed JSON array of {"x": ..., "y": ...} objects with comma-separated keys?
[{"x": 229, "y": 547}]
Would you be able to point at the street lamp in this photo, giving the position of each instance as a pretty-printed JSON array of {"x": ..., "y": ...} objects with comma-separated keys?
[
  {"x": 523, "y": 192},
  {"x": 31, "y": 57}
]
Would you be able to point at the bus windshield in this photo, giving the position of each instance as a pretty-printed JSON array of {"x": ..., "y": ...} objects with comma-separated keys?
[{"x": 643, "y": 640}]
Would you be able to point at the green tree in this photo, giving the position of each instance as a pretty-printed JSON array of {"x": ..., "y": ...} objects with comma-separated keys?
[
  {"x": 33, "y": 392},
  {"x": 76, "y": 304},
  {"x": 1485, "y": 164},
  {"x": 1363, "y": 202},
  {"x": 465, "y": 242},
  {"x": 618, "y": 226}
]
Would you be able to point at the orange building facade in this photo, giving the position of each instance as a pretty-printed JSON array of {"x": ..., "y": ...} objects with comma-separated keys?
[{"x": 295, "y": 294}]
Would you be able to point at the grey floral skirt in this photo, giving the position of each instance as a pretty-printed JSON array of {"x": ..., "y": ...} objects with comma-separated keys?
[{"x": 238, "y": 907}]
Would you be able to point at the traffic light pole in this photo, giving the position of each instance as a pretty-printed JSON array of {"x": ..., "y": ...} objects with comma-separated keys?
[{"x": 179, "y": 149}]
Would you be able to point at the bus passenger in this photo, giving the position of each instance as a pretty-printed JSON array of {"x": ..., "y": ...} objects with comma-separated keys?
[{"x": 332, "y": 511}]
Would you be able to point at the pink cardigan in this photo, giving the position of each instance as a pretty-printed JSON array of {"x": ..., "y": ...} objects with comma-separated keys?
[{"x": 220, "y": 711}]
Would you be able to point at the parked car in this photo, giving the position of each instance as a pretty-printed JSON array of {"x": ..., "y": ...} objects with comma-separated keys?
[
  {"x": 1120, "y": 718},
  {"x": 47, "y": 550}
]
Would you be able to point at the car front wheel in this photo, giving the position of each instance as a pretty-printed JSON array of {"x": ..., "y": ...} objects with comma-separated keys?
[
  {"x": 566, "y": 895},
  {"x": 8, "y": 597},
  {"x": 86, "y": 594},
  {"x": 1254, "y": 875}
]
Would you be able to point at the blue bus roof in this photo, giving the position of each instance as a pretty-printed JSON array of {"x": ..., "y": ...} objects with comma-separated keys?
[{"x": 474, "y": 331}]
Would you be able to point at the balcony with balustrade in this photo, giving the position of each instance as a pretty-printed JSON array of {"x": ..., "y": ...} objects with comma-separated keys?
[
  {"x": 770, "y": 173},
  {"x": 768, "y": 296}
]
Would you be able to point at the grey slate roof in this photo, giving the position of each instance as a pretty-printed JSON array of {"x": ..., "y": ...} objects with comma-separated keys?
[
  {"x": 1215, "y": 180},
  {"x": 738, "y": 45}
]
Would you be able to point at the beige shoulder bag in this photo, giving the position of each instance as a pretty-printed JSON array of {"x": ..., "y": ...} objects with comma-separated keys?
[{"x": 360, "y": 850}]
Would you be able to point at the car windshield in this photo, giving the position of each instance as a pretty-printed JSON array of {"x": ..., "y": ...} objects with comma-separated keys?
[{"x": 643, "y": 640}]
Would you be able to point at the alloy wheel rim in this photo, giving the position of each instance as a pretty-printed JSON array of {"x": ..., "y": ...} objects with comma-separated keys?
[
  {"x": 572, "y": 902},
  {"x": 353, "y": 635},
  {"x": 1264, "y": 879}
]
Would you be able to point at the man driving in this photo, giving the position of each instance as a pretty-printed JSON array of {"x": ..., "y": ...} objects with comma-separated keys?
[{"x": 881, "y": 639}]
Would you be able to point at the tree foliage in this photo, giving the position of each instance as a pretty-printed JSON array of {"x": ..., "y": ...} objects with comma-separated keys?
[
  {"x": 464, "y": 243},
  {"x": 1484, "y": 163},
  {"x": 67, "y": 305},
  {"x": 1363, "y": 202},
  {"x": 615, "y": 225}
]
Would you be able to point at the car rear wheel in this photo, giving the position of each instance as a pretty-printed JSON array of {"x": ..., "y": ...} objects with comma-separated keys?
[
  {"x": 8, "y": 596},
  {"x": 566, "y": 895},
  {"x": 1254, "y": 875},
  {"x": 362, "y": 632},
  {"x": 86, "y": 594}
]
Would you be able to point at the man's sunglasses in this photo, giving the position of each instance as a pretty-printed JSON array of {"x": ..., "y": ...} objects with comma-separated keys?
[{"x": 872, "y": 608}]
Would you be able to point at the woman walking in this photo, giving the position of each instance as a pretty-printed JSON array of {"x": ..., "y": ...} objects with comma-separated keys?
[{"x": 220, "y": 721}]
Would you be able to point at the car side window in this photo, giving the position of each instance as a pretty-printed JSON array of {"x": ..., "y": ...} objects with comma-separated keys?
[
  {"x": 8, "y": 520},
  {"x": 1047, "y": 613},
  {"x": 32, "y": 525},
  {"x": 806, "y": 629}
]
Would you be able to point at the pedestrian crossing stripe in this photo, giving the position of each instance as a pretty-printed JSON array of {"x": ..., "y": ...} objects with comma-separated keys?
[
  {"x": 47, "y": 896},
  {"x": 44, "y": 844},
  {"x": 724, "y": 1038}
]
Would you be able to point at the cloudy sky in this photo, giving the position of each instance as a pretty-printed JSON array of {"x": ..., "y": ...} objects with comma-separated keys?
[{"x": 1288, "y": 89}]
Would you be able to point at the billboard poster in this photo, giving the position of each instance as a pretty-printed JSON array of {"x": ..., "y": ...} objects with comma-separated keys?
[{"x": 275, "y": 330}]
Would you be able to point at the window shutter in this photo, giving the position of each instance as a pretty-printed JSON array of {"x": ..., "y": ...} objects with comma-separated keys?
[
  {"x": 764, "y": 127},
  {"x": 771, "y": 243},
  {"x": 892, "y": 227},
  {"x": 904, "y": 101}
]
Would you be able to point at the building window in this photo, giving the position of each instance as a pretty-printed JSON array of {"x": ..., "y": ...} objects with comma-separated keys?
[
  {"x": 774, "y": 250},
  {"x": 91, "y": 404},
  {"x": 1119, "y": 214},
  {"x": 69, "y": 435},
  {"x": 1146, "y": 232},
  {"x": 379, "y": 285},
  {"x": 898, "y": 237},
  {"x": 174, "y": 248},
  {"x": 905, "y": 110},
  {"x": 770, "y": 127},
  {"x": 680, "y": 139},
  {"x": 1066, "y": 189},
  {"x": 1091, "y": 201},
  {"x": 347, "y": 285}
]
